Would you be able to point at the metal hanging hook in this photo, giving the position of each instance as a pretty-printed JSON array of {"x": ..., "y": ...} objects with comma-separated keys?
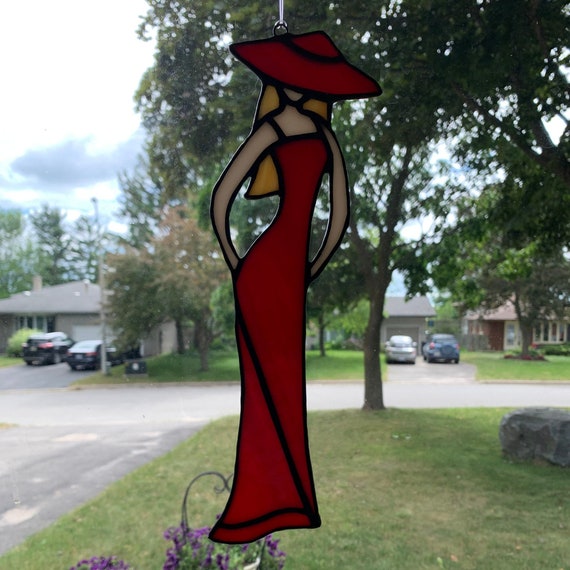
[{"x": 280, "y": 26}]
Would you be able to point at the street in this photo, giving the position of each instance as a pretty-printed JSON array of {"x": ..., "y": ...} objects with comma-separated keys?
[
  {"x": 69, "y": 444},
  {"x": 23, "y": 377}
]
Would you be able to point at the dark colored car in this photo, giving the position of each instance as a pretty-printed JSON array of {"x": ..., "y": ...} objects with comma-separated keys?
[
  {"x": 86, "y": 354},
  {"x": 401, "y": 348},
  {"x": 441, "y": 348},
  {"x": 46, "y": 348}
]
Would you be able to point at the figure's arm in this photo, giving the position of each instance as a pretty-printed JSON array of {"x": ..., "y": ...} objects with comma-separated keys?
[
  {"x": 339, "y": 209},
  {"x": 229, "y": 184}
]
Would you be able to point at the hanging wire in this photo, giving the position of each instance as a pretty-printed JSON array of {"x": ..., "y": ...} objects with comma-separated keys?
[{"x": 280, "y": 26}]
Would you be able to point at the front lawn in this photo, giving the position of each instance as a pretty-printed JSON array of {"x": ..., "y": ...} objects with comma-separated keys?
[
  {"x": 8, "y": 361},
  {"x": 493, "y": 366},
  {"x": 399, "y": 489},
  {"x": 337, "y": 365}
]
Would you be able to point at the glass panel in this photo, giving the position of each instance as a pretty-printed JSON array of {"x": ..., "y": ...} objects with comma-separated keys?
[{"x": 510, "y": 336}]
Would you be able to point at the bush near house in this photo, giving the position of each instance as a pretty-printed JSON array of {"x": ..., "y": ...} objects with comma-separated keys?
[
  {"x": 555, "y": 349},
  {"x": 15, "y": 341}
]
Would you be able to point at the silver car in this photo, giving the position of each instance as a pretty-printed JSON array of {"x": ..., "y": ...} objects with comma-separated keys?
[{"x": 401, "y": 348}]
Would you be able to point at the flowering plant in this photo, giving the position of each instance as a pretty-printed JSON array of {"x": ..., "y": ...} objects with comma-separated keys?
[
  {"x": 101, "y": 563},
  {"x": 193, "y": 550}
]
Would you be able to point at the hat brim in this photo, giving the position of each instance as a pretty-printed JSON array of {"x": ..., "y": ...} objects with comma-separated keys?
[{"x": 310, "y": 63}]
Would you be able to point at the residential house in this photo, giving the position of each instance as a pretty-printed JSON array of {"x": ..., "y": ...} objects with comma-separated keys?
[
  {"x": 407, "y": 317},
  {"x": 73, "y": 308},
  {"x": 501, "y": 329}
]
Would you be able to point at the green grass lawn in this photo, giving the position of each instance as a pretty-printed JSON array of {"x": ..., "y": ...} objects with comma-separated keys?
[
  {"x": 398, "y": 490},
  {"x": 6, "y": 361},
  {"x": 493, "y": 366},
  {"x": 337, "y": 365}
]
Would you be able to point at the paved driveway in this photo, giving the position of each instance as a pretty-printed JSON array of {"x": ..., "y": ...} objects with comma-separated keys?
[
  {"x": 23, "y": 377},
  {"x": 435, "y": 373}
]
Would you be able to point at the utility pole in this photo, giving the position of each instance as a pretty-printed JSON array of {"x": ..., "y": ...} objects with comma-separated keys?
[{"x": 102, "y": 316}]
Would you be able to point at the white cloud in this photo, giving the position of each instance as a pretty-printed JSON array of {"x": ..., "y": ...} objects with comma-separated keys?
[{"x": 69, "y": 72}]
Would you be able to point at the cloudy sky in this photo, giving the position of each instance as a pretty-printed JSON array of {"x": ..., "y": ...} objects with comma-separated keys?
[{"x": 69, "y": 71}]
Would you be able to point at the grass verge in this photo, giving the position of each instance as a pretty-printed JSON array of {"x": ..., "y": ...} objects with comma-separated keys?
[
  {"x": 493, "y": 366},
  {"x": 8, "y": 361},
  {"x": 337, "y": 365},
  {"x": 400, "y": 489}
]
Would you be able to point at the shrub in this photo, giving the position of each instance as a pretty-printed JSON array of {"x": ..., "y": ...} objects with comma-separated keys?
[
  {"x": 556, "y": 349},
  {"x": 16, "y": 340}
]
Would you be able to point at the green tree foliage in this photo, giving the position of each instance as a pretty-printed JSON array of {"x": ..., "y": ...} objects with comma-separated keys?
[
  {"x": 337, "y": 290},
  {"x": 88, "y": 241},
  {"x": 136, "y": 306},
  {"x": 191, "y": 271},
  {"x": 53, "y": 243},
  {"x": 18, "y": 256},
  {"x": 488, "y": 265},
  {"x": 505, "y": 66},
  {"x": 15, "y": 342},
  {"x": 171, "y": 279}
]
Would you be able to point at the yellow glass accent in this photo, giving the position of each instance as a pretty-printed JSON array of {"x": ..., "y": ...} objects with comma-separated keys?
[
  {"x": 316, "y": 106},
  {"x": 265, "y": 181},
  {"x": 269, "y": 101}
]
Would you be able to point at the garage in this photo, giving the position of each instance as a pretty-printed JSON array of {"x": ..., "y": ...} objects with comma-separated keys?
[
  {"x": 406, "y": 317},
  {"x": 86, "y": 332},
  {"x": 412, "y": 331}
]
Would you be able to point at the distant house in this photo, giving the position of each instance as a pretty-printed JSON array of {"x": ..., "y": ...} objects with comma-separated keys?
[
  {"x": 502, "y": 331},
  {"x": 406, "y": 316},
  {"x": 73, "y": 308}
]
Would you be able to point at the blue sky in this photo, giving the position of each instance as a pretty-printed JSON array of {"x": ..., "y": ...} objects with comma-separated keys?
[{"x": 69, "y": 71}]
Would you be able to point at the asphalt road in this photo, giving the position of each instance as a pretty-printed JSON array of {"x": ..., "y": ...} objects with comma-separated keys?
[
  {"x": 24, "y": 377},
  {"x": 69, "y": 444}
]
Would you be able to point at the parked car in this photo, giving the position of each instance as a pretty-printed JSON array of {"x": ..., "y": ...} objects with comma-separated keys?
[
  {"x": 86, "y": 354},
  {"x": 400, "y": 348},
  {"x": 441, "y": 347},
  {"x": 46, "y": 348}
]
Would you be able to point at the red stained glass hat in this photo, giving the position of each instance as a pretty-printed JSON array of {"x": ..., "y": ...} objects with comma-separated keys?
[{"x": 310, "y": 63}]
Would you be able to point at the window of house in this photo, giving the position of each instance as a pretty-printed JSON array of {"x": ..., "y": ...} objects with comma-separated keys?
[{"x": 510, "y": 334}]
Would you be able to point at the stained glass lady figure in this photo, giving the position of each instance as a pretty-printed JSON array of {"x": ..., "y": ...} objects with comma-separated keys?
[{"x": 290, "y": 149}]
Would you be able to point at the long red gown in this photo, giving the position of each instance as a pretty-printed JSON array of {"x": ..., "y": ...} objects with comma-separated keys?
[{"x": 273, "y": 486}]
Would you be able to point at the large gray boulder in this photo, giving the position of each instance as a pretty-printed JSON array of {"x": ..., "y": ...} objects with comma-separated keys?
[{"x": 537, "y": 434}]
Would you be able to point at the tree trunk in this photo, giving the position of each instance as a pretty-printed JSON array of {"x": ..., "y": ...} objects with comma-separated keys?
[
  {"x": 377, "y": 274},
  {"x": 526, "y": 336},
  {"x": 373, "y": 389},
  {"x": 179, "y": 337},
  {"x": 525, "y": 325},
  {"x": 203, "y": 340},
  {"x": 322, "y": 335}
]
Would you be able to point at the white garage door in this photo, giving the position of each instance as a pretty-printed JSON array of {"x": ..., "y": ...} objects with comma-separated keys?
[
  {"x": 86, "y": 332},
  {"x": 414, "y": 332}
]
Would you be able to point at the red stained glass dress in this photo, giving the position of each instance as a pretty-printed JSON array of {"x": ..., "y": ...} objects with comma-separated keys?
[{"x": 273, "y": 485}]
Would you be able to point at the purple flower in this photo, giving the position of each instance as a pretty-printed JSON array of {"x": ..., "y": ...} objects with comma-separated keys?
[
  {"x": 101, "y": 563},
  {"x": 192, "y": 549}
]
